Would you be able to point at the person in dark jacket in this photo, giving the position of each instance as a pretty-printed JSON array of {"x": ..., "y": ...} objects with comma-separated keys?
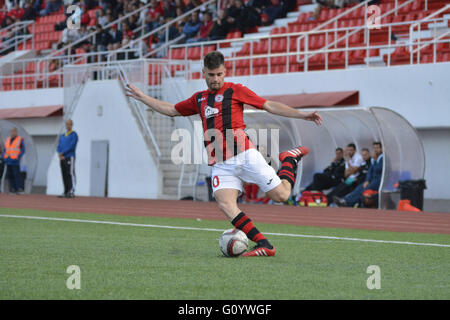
[
  {"x": 350, "y": 184},
  {"x": 102, "y": 39},
  {"x": 66, "y": 151},
  {"x": 332, "y": 175},
  {"x": 220, "y": 27},
  {"x": 372, "y": 180}
]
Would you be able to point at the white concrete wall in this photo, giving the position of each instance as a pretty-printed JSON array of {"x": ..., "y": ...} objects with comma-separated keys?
[
  {"x": 31, "y": 98},
  {"x": 132, "y": 172},
  {"x": 420, "y": 93},
  {"x": 436, "y": 144}
]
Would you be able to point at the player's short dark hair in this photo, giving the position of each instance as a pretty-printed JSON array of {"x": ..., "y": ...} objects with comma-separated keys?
[
  {"x": 378, "y": 143},
  {"x": 365, "y": 149},
  {"x": 352, "y": 145},
  {"x": 213, "y": 60},
  {"x": 339, "y": 149}
]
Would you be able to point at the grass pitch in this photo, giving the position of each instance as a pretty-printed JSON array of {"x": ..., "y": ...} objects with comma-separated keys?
[{"x": 132, "y": 262}]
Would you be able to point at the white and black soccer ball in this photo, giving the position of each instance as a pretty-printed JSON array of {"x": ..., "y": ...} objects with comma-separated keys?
[{"x": 233, "y": 242}]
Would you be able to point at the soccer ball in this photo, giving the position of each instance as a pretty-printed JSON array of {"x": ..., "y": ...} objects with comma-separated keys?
[{"x": 233, "y": 242}]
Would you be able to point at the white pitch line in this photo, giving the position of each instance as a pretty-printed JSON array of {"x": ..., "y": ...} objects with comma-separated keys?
[{"x": 220, "y": 230}]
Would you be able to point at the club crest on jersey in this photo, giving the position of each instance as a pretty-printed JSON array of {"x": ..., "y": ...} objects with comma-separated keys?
[
  {"x": 219, "y": 98},
  {"x": 210, "y": 112}
]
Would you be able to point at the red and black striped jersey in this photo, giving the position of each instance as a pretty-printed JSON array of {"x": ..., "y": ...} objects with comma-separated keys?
[{"x": 222, "y": 114}]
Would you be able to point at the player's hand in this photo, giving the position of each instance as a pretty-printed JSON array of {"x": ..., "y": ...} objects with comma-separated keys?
[
  {"x": 314, "y": 116},
  {"x": 133, "y": 92}
]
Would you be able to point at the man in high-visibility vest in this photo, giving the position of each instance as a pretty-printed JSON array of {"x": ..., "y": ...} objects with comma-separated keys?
[{"x": 14, "y": 150}]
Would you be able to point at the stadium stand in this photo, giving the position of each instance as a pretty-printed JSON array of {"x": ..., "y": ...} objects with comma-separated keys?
[{"x": 290, "y": 44}]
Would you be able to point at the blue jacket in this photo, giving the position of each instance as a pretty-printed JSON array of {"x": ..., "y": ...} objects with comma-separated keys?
[
  {"x": 67, "y": 145},
  {"x": 374, "y": 174},
  {"x": 191, "y": 29},
  {"x": 15, "y": 161}
]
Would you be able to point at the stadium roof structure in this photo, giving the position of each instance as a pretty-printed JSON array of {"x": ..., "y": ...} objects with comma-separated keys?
[
  {"x": 404, "y": 157},
  {"x": 319, "y": 99},
  {"x": 31, "y": 112}
]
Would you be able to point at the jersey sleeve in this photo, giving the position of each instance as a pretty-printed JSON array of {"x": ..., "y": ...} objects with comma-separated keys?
[
  {"x": 247, "y": 96},
  {"x": 187, "y": 107}
]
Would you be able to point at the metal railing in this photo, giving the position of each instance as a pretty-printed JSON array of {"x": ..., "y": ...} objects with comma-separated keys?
[
  {"x": 164, "y": 28},
  {"x": 138, "y": 111},
  {"x": 419, "y": 26},
  {"x": 48, "y": 72},
  {"x": 14, "y": 35}
]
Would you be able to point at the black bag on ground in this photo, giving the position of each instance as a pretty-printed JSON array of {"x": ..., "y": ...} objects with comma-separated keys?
[{"x": 412, "y": 190}]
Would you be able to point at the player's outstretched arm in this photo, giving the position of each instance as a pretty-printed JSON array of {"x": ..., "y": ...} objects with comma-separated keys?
[
  {"x": 281, "y": 109},
  {"x": 157, "y": 105}
]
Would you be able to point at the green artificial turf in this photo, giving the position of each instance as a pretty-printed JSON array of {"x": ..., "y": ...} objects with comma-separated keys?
[{"x": 132, "y": 262}]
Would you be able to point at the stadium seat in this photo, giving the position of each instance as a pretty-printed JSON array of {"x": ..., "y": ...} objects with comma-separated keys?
[
  {"x": 243, "y": 63},
  {"x": 278, "y": 60}
]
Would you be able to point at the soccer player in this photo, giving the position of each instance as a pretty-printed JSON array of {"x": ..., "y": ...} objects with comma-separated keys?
[{"x": 235, "y": 159}]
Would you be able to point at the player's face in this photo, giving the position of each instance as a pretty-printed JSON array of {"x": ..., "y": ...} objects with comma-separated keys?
[{"x": 215, "y": 77}]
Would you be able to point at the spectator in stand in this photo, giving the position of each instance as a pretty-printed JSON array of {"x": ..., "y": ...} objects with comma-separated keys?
[
  {"x": 220, "y": 27},
  {"x": 7, "y": 22},
  {"x": 331, "y": 176},
  {"x": 193, "y": 4},
  {"x": 350, "y": 184},
  {"x": 102, "y": 39},
  {"x": 192, "y": 27},
  {"x": 90, "y": 4},
  {"x": 115, "y": 39},
  {"x": 205, "y": 28},
  {"x": 269, "y": 9},
  {"x": 154, "y": 12},
  {"x": 372, "y": 181},
  {"x": 30, "y": 12},
  {"x": 102, "y": 19},
  {"x": 69, "y": 36},
  {"x": 126, "y": 30},
  {"x": 179, "y": 4},
  {"x": 133, "y": 21},
  {"x": 51, "y": 6},
  {"x": 16, "y": 13},
  {"x": 142, "y": 14},
  {"x": 117, "y": 8},
  {"x": 179, "y": 14},
  {"x": 168, "y": 9},
  {"x": 242, "y": 17},
  {"x": 173, "y": 33},
  {"x": 109, "y": 18}
]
